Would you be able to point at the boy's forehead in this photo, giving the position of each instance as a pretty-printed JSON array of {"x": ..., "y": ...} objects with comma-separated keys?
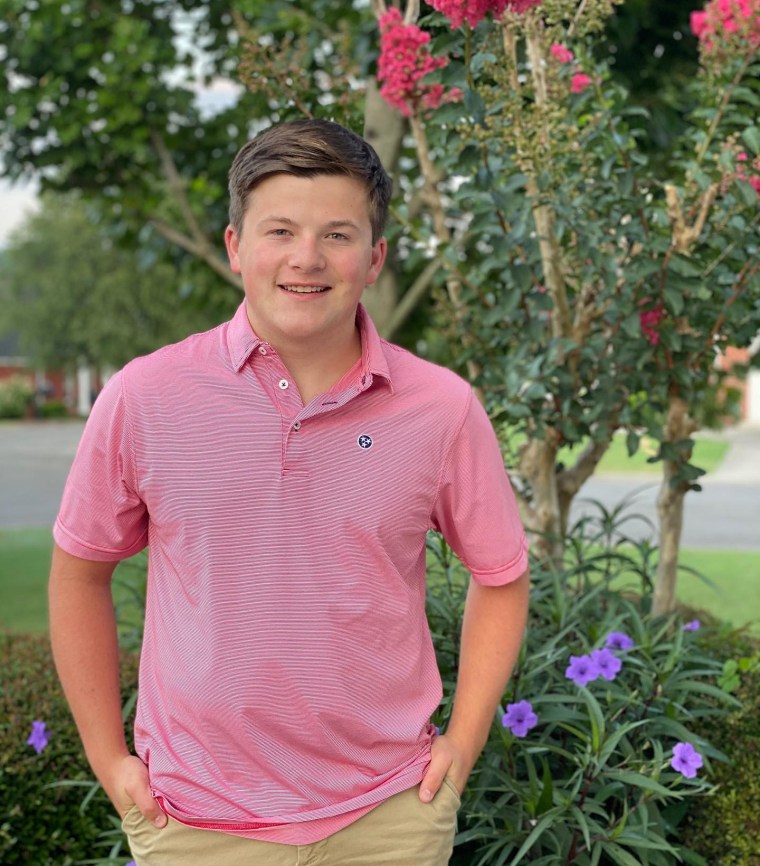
[{"x": 341, "y": 197}]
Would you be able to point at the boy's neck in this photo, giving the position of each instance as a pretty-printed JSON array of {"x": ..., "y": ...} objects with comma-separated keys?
[{"x": 315, "y": 371}]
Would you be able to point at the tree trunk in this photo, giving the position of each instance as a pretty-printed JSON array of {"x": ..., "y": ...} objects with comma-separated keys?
[
  {"x": 538, "y": 466},
  {"x": 384, "y": 129},
  {"x": 670, "y": 504}
]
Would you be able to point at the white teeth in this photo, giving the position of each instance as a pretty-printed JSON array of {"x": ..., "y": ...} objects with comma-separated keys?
[{"x": 305, "y": 290}]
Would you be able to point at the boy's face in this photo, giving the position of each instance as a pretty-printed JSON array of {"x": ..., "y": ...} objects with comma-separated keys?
[{"x": 305, "y": 255}]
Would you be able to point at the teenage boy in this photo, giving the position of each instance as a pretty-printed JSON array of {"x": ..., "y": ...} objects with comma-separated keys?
[{"x": 284, "y": 469}]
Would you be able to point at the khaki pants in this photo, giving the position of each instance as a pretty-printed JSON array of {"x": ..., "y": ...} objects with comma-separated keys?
[{"x": 402, "y": 831}]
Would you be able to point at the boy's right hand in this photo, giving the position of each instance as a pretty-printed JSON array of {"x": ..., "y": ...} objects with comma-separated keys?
[{"x": 131, "y": 787}]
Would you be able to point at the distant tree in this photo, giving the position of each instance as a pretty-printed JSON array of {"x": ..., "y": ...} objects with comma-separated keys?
[{"x": 74, "y": 296}]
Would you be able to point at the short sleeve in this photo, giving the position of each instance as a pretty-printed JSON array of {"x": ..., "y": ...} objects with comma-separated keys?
[
  {"x": 475, "y": 509},
  {"x": 102, "y": 516}
]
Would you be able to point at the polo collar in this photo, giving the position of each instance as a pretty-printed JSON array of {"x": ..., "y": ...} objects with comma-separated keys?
[
  {"x": 374, "y": 358},
  {"x": 242, "y": 342}
]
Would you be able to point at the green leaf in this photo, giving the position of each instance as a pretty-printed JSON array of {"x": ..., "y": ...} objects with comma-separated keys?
[
  {"x": 637, "y": 780},
  {"x": 620, "y": 855},
  {"x": 546, "y": 800},
  {"x": 751, "y": 137},
  {"x": 596, "y": 717},
  {"x": 674, "y": 300},
  {"x": 543, "y": 824},
  {"x": 632, "y": 440}
]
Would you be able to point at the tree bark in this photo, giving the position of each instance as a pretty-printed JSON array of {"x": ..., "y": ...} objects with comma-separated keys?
[
  {"x": 538, "y": 466},
  {"x": 670, "y": 505}
]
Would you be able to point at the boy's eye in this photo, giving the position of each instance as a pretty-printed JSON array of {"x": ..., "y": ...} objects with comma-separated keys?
[{"x": 338, "y": 236}]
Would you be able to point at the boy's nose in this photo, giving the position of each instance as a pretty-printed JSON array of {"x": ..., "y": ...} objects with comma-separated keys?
[{"x": 306, "y": 255}]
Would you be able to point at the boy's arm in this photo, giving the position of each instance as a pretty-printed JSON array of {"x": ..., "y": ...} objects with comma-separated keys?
[
  {"x": 86, "y": 652},
  {"x": 492, "y": 632}
]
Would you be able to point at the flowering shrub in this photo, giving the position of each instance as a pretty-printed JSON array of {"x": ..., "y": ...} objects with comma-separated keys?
[{"x": 600, "y": 744}]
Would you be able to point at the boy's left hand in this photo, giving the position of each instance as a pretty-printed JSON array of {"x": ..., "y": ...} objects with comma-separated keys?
[{"x": 447, "y": 758}]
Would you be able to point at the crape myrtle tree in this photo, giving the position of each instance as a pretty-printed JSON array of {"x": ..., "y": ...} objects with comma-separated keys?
[{"x": 587, "y": 295}]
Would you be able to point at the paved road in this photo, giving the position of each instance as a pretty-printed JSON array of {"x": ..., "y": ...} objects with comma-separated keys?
[
  {"x": 34, "y": 463},
  {"x": 35, "y": 458},
  {"x": 724, "y": 515}
]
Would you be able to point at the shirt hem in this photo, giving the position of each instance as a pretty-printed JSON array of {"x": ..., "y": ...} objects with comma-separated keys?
[
  {"x": 301, "y": 832},
  {"x": 505, "y": 574},
  {"x": 75, "y": 547}
]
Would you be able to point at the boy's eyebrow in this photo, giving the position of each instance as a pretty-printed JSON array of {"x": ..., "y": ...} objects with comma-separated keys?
[{"x": 332, "y": 224}]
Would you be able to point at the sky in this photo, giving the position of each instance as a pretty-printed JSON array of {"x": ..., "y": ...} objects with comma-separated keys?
[{"x": 15, "y": 203}]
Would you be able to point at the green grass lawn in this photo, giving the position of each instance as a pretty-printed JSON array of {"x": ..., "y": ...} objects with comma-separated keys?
[
  {"x": 24, "y": 566},
  {"x": 708, "y": 454},
  {"x": 25, "y": 560}
]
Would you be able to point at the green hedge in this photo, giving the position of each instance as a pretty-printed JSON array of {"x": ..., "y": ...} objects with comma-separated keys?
[
  {"x": 42, "y": 824},
  {"x": 725, "y": 828}
]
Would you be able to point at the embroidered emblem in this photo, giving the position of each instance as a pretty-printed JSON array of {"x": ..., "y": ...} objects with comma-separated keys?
[{"x": 364, "y": 441}]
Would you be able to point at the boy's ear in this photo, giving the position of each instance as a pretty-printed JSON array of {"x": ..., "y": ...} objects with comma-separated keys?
[
  {"x": 379, "y": 252},
  {"x": 232, "y": 243}
]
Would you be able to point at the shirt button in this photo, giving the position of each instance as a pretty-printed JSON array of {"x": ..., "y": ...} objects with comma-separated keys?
[
  {"x": 283, "y": 383},
  {"x": 297, "y": 425},
  {"x": 262, "y": 350}
]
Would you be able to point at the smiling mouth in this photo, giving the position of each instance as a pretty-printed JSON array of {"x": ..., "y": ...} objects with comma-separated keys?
[{"x": 304, "y": 290}]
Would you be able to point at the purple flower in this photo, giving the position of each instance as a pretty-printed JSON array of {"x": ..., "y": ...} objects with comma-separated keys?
[
  {"x": 694, "y": 625},
  {"x": 519, "y": 718},
  {"x": 607, "y": 662},
  {"x": 39, "y": 738},
  {"x": 618, "y": 640},
  {"x": 581, "y": 670},
  {"x": 686, "y": 760}
]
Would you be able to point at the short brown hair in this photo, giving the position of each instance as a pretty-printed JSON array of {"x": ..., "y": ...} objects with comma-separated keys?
[{"x": 307, "y": 148}]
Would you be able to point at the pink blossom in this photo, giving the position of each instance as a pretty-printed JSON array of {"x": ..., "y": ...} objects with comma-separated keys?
[
  {"x": 753, "y": 179},
  {"x": 404, "y": 61},
  {"x": 562, "y": 53},
  {"x": 650, "y": 320},
  {"x": 726, "y": 22},
  {"x": 698, "y": 22},
  {"x": 474, "y": 11},
  {"x": 579, "y": 82}
]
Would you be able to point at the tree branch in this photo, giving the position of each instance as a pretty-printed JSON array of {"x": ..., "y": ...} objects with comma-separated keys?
[
  {"x": 411, "y": 298},
  {"x": 197, "y": 244},
  {"x": 202, "y": 251}
]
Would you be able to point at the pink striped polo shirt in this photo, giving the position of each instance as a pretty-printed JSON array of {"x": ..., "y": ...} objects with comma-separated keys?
[{"x": 288, "y": 675}]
